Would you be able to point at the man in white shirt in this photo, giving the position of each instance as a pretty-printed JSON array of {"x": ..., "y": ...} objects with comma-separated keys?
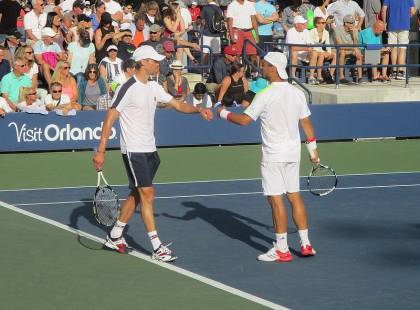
[
  {"x": 134, "y": 104},
  {"x": 34, "y": 21},
  {"x": 281, "y": 107},
  {"x": 300, "y": 35},
  {"x": 115, "y": 9},
  {"x": 241, "y": 21},
  {"x": 341, "y": 8}
]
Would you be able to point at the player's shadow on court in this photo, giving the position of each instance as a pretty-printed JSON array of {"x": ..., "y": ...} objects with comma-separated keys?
[
  {"x": 85, "y": 212},
  {"x": 229, "y": 223}
]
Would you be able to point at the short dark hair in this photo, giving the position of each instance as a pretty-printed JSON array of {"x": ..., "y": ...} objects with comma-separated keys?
[
  {"x": 128, "y": 63},
  {"x": 200, "y": 88},
  {"x": 236, "y": 67}
]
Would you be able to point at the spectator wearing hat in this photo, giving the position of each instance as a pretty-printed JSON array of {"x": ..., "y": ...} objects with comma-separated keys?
[
  {"x": 298, "y": 7},
  {"x": 12, "y": 43},
  {"x": 110, "y": 66},
  {"x": 47, "y": 53},
  {"x": 104, "y": 36},
  {"x": 114, "y": 8},
  {"x": 176, "y": 84},
  {"x": 34, "y": 21},
  {"x": 199, "y": 97},
  {"x": 233, "y": 87},
  {"x": 80, "y": 54},
  {"x": 168, "y": 50},
  {"x": 99, "y": 9},
  {"x": 83, "y": 22},
  {"x": 341, "y": 8},
  {"x": 9, "y": 13},
  {"x": 347, "y": 35},
  {"x": 300, "y": 35},
  {"x": 139, "y": 31},
  {"x": 221, "y": 66},
  {"x": 91, "y": 87}
]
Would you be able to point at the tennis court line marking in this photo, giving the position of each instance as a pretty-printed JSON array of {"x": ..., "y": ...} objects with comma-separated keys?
[
  {"x": 215, "y": 195},
  {"x": 146, "y": 258},
  {"x": 198, "y": 181}
]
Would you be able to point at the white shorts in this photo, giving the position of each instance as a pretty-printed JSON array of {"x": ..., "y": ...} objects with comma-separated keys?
[
  {"x": 214, "y": 43},
  {"x": 280, "y": 178},
  {"x": 303, "y": 55},
  {"x": 398, "y": 37}
]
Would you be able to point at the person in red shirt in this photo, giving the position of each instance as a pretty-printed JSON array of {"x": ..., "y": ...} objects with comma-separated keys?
[{"x": 194, "y": 11}]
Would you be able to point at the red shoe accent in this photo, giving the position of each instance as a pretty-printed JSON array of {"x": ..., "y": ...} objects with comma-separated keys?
[
  {"x": 284, "y": 257},
  {"x": 122, "y": 249},
  {"x": 307, "y": 250}
]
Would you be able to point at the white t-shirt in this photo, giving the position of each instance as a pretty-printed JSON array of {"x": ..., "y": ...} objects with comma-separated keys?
[
  {"x": 113, "y": 68},
  {"x": 63, "y": 100},
  {"x": 35, "y": 23},
  {"x": 241, "y": 14},
  {"x": 112, "y": 7},
  {"x": 319, "y": 13},
  {"x": 280, "y": 107},
  {"x": 34, "y": 70},
  {"x": 186, "y": 16},
  {"x": 136, "y": 103},
  {"x": 128, "y": 16},
  {"x": 38, "y": 104},
  {"x": 342, "y": 8},
  {"x": 295, "y": 37},
  {"x": 5, "y": 106}
]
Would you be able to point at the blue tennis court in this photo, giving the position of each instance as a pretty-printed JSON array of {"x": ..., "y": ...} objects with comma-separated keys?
[{"x": 366, "y": 234}]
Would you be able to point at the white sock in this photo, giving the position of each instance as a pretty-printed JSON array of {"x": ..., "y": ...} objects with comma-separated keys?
[
  {"x": 117, "y": 230},
  {"x": 282, "y": 242},
  {"x": 154, "y": 239},
  {"x": 304, "y": 240}
]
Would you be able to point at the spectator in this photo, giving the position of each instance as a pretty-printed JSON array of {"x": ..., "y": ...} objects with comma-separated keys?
[
  {"x": 28, "y": 99},
  {"x": 342, "y": 8},
  {"x": 77, "y": 9},
  {"x": 128, "y": 68},
  {"x": 194, "y": 11},
  {"x": 97, "y": 14},
  {"x": 176, "y": 84},
  {"x": 4, "y": 107},
  {"x": 347, "y": 35},
  {"x": 300, "y": 35},
  {"x": 68, "y": 83},
  {"x": 50, "y": 7},
  {"x": 34, "y": 21},
  {"x": 88, "y": 9},
  {"x": 233, "y": 87},
  {"x": 125, "y": 47},
  {"x": 152, "y": 14},
  {"x": 13, "y": 81},
  {"x": 26, "y": 52},
  {"x": 47, "y": 53},
  {"x": 319, "y": 35},
  {"x": 172, "y": 19},
  {"x": 12, "y": 44},
  {"x": 80, "y": 54},
  {"x": 114, "y": 8},
  {"x": 199, "y": 97},
  {"x": 128, "y": 17},
  {"x": 139, "y": 31},
  {"x": 321, "y": 11},
  {"x": 266, "y": 16},
  {"x": 54, "y": 22},
  {"x": 56, "y": 100},
  {"x": 4, "y": 63},
  {"x": 211, "y": 37},
  {"x": 91, "y": 88},
  {"x": 372, "y": 9},
  {"x": 298, "y": 7},
  {"x": 221, "y": 66},
  {"x": 103, "y": 36},
  {"x": 83, "y": 22},
  {"x": 241, "y": 20},
  {"x": 396, "y": 15},
  {"x": 9, "y": 13},
  {"x": 110, "y": 66},
  {"x": 168, "y": 50},
  {"x": 373, "y": 35}
]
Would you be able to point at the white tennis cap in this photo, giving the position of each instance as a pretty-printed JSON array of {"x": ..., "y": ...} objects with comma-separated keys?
[
  {"x": 147, "y": 52},
  {"x": 48, "y": 32},
  {"x": 299, "y": 19},
  {"x": 278, "y": 60}
]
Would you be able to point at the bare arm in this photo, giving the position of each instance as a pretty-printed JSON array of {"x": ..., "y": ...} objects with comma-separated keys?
[
  {"x": 223, "y": 88},
  {"x": 230, "y": 29},
  {"x": 186, "y": 108},
  {"x": 238, "y": 119},
  {"x": 11, "y": 104},
  {"x": 383, "y": 13}
]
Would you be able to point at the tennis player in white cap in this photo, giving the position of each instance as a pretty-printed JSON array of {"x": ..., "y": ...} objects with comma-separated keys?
[
  {"x": 134, "y": 104},
  {"x": 281, "y": 107}
]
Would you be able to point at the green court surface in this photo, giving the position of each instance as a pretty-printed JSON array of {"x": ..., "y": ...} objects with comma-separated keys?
[{"x": 45, "y": 267}]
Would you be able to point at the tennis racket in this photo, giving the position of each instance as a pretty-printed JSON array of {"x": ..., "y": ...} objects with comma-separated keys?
[
  {"x": 106, "y": 206},
  {"x": 322, "y": 180}
]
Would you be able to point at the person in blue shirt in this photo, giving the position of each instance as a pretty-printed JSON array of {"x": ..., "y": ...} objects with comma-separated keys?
[
  {"x": 266, "y": 16},
  {"x": 373, "y": 36},
  {"x": 396, "y": 15}
]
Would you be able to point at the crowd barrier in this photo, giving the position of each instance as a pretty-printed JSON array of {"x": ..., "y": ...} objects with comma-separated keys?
[{"x": 33, "y": 132}]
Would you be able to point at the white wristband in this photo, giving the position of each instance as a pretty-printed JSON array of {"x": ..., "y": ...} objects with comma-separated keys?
[
  {"x": 311, "y": 146},
  {"x": 224, "y": 114}
]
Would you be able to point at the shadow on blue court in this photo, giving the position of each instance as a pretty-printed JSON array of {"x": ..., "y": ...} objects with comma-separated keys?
[{"x": 366, "y": 234}]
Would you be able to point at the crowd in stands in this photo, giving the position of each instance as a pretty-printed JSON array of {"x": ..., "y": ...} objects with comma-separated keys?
[{"x": 72, "y": 55}]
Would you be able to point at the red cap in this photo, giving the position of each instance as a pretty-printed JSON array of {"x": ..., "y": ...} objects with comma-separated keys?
[
  {"x": 232, "y": 50},
  {"x": 169, "y": 46}
]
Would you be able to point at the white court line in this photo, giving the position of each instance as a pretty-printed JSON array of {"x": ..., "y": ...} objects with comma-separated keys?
[
  {"x": 146, "y": 258},
  {"x": 217, "y": 194},
  {"x": 199, "y": 181}
]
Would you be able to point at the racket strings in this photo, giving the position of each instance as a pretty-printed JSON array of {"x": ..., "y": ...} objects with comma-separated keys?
[
  {"x": 106, "y": 205},
  {"x": 322, "y": 180}
]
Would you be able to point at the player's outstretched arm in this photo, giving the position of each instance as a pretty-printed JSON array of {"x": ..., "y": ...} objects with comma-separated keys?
[
  {"x": 183, "y": 107},
  {"x": 309, "y": 131},
  {"x": 238, "y": 119},
  {"x": 99, "y": 157}
]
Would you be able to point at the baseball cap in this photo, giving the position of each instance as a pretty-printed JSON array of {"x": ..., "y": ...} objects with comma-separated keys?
[
  {"x": 146, "y": 52},
  {"x": 348, "y": 19},
  {"x": 168, "y": 46},
  {"x": 48, "y": 32},
  {"x": 112, "y": 47},
  {"x": 278, "y": 60},
  {"x": 299, "y": 19},
  {"x": 155, "y": 28},
  {"x": 231, "y": 50}
]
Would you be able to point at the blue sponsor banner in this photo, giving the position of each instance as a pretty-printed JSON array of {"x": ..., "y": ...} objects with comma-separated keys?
[{"x": 34, "y": 132}]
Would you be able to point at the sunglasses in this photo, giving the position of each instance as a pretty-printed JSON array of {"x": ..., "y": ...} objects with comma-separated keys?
[
  {"x": 321, "y": 23},
  {"x": 153, "y": 32},
  {"x": 66, "y": 68},
  {"x": 92, "y": 71},
  {"x": 22, "y": 66},
  {"x": 32, "y": 94},
  {"x": 29, "y": 53},
  {"x": 57, "y": 91}
]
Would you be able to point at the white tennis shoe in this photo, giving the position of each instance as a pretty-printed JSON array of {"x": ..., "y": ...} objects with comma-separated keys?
[
  {"x": 275, "y": 255},
  {"x": 164, "y": 254},
  {"x": 118, "y": 244}
]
